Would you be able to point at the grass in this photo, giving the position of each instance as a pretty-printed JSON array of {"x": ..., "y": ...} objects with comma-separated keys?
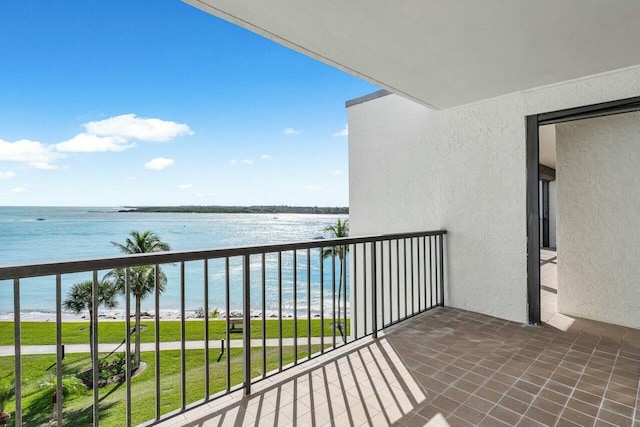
[
  {"x": 38, "y": 404},
  {"x": 44, "y": 333}
]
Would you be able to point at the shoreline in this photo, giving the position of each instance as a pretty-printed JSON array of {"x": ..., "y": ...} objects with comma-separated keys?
[
  {"x": 257, "y": 209},
  {"x": 113, "y": 316},
  {"x": 165, "y": 315}
]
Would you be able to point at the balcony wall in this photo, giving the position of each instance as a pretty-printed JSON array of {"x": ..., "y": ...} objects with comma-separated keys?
[
  {"x": 461, "y": 169},
  {"x": 598, "y": 211}
]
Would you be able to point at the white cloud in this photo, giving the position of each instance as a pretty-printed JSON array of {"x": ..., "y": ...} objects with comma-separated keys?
[
  {"x": 233, "y": 162},
  {"x": 18, "y": 190},
  {"x": 265, "y": 156},
  {"x": 258, "y": 183},
  {"x": 7, "y": 175},
  {"x": 34, "y": 153},
  {"x": 247, "y": 162},
  {"x": 115, "y": 133},
  {"x": 88, "y": 143},
  {"x": 313, "y": 187},
  {"x": 43, "y": 166},
  {"x": 337, "y": 172},
  {"x": 291, "y": 132},
  {"x": 206, "y": 194},
  {"x": 112, "y": 134},
  {"x": 185, "y": 186},
  {"x": 343, "y": 132},
  {"x": 158, "y": 163},
  {"x": 128, "y": 126}
]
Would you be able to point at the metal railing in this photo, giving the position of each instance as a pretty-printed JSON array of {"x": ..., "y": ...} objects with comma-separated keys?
[{"x": 323, "y": 294}]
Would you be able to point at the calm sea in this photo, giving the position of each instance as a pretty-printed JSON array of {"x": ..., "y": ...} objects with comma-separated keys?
[{"x": 41, "y": 234}]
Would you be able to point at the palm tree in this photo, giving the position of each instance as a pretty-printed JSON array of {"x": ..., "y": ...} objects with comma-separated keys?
[
  {"x": 142, "y": 283},
  {"x": 338, "y": 230},
  {"x": 80, "y": 298},
  {"x": 142, "y": 279}
]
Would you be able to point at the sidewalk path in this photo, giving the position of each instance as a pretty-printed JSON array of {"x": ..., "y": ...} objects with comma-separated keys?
[{"x": 8, "y": 350}]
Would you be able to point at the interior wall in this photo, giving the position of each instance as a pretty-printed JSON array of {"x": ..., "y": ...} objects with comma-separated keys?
[
  {"x": 599, "y": 218},
  {"x": 464, "y": 170},
  {"x": 553, "y": 210}
]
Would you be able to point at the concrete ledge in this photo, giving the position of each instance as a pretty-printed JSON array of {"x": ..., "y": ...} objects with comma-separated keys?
[{"x": 366, "y": 98}]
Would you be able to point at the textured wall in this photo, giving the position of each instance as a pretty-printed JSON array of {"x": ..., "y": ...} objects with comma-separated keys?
[
  {"x": 462, "y": 169},
  {"x": 599, "y": 218}
]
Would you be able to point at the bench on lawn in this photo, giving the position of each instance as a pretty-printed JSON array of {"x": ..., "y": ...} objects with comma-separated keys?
[{"x": 233, "y": 321}]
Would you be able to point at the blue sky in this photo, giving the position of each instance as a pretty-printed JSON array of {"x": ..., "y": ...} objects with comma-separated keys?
[{"x": 120, "y": 102}]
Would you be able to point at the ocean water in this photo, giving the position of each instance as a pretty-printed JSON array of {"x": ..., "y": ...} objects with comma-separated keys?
[{"x": 42, "y": 234}]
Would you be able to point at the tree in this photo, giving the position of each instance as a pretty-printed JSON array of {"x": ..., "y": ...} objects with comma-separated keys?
[
  {"x": 338, "y": 230},
  {"x": 142, "y": 280},
  {"x": 80, "y": 298},
  {"x": 142, "y": 283}
]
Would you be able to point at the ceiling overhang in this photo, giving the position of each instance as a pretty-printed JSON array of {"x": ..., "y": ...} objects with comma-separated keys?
[{"x": 444, "y": 53}]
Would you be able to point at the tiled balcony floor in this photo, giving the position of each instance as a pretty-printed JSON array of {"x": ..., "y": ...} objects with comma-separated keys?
[{"x": 451, "y": 367}]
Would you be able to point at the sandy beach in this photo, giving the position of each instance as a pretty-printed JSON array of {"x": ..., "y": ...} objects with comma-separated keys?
[
  {"x": 106, "y": 316},
  {"x": 118, "y": 316}
]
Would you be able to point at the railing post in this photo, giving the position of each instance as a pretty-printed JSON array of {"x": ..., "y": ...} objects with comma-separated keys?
[
  {"x": 344, "y": 296},
  {"x": 127, "y": 341},
  {"x": 183, "y": 337},
  {"x": 207, "y": 391},
  {"x": 441, "y": 254},
  {"x": 246, "y": 329},
  {"x": 374, "y": 290},
  {"x": 59, "y": 350},
  {"x": 227, "y": 304},
  {"x": 94, "y": 349},
  {"x": 17, "y": 358},
  {"x": 280, "y": 311},
  {"x": 156, "y": 335}
]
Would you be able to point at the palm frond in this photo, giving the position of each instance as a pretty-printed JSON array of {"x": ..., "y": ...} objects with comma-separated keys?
[
  {"x": 141, "y": 242},
  {"x": 336, "y": 231},
  {"x": 80, "y": 296}
]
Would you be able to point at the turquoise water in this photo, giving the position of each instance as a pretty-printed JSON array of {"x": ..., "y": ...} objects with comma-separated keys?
[{"x": 41, "y": 234}]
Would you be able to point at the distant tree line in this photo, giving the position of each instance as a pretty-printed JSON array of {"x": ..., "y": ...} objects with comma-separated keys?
[{"x": 241, "y": 209}]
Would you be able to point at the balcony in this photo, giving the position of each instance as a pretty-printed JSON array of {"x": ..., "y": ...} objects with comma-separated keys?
[
  {"x": 451, "y": 367},
  {"x": 329, "y": 294},
  {"x": 405, "y": 359}
]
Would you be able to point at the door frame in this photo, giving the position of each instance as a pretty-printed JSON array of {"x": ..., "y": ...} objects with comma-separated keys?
[{"x": 533, "y": 122}]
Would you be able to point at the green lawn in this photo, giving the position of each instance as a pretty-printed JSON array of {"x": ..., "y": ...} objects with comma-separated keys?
[
  {"x": 42, "y": 333},
  {"x": 38, "y": 405}
]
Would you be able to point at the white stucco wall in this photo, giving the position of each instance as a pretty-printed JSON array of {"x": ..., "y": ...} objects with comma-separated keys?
[
  {"x": 462, "y": 169},
  {"x": 599, "y": 218}
]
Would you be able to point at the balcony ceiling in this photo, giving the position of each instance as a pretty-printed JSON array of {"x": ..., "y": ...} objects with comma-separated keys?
[{"x": 444, "y": 53}]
